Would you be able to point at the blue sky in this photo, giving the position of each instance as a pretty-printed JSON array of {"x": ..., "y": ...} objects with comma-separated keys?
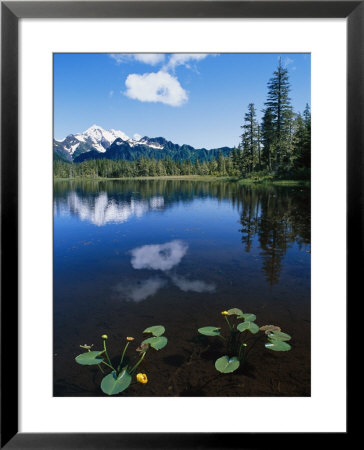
[{"x": 195, "y": 99}]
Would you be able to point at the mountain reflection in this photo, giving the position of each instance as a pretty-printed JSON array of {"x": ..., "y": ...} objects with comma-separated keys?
[{"x": 101, "y": 209}]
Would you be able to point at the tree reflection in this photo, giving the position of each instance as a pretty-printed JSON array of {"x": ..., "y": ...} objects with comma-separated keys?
[{"x": 275, "y": 218}]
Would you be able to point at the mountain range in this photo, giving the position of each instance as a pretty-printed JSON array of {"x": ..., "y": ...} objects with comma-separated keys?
[{"x": 97, "y": 143}]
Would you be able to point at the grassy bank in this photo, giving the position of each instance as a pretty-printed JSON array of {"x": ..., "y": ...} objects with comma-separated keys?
[{"x": 243, "y": 181}]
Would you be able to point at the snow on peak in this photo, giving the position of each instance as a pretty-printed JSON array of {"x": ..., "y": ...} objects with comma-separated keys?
[
  {"x": 120, "y": 134},
  {"x": 100, "y": 139}
]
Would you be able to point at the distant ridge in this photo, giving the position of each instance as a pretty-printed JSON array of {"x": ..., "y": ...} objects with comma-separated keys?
[{"x": 97, "y": 143}]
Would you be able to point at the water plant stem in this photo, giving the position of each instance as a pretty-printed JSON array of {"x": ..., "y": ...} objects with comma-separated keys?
[
  {"x": 253, "y": 344},
  {"x": 227, "y": 320},
  {"x": 241, "y": 357},
  {"x": 98, "y": 365},
  {"x": 107, "y": 356},
  {"x": 137, "y": 364},
  {"x": 108, "y": 365},
  {"x": 122, "y": 356}
]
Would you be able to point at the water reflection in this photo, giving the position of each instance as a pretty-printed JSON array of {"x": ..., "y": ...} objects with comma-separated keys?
[
  {"x": 272, "y": 219},
  {"x": 139, "y": 290},
  {"x": 158, "y": 256},
  {"x": 276, "y": 222},
  {"x": 101, "y": 209},
  {"x": 161, "y": 257},
  {"x": 192, "y": 285}
]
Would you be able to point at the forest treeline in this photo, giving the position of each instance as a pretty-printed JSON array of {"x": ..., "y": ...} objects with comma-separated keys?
[{"x": 279, "y": 145}]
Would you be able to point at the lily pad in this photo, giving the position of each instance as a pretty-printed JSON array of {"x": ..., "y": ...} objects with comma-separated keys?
[
  {"x": 113, "y": 384},
  {"x": 251, "y": 326},
  {"x": 89, "y": 358},
  {"x": 278, "y": 346},
  {"x": 235, "y": 312},
  {"x": 209, "y": 331},
  {"x": 248, "y": 317},
  {"x": 157, "y": 342},
  {"x": 279, "y": 336},
  {"x": 156, "y": 330},
  {"x": 268, "y": 328},
  {"x": 225, "y": 364}
]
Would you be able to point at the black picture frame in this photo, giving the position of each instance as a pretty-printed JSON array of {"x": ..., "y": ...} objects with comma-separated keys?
[{"x": 11, "y": 12}]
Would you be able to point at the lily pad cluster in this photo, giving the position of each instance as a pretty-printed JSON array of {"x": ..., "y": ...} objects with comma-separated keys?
[
  {"x": 239, "y": 341},
  {"x": 121, "y": 376},
  {"x": 277, "y": 340}
]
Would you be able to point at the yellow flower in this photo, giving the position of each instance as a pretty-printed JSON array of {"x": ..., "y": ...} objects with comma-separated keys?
[
  {"x": 142, "y": 378},
  {"x": 129, "y": 338},
  {"x": 104, "y": 336},
  {"x": 224, "y": 313}
]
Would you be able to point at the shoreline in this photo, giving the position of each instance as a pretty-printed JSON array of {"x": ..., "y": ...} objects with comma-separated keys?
[{"x": 242, "y": 181}]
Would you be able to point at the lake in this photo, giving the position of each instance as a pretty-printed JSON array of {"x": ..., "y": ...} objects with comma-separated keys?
[{"x": 129, "y": 254}]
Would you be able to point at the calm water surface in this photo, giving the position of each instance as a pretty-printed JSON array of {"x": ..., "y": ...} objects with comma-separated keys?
[{"x": 131, "y": 254}]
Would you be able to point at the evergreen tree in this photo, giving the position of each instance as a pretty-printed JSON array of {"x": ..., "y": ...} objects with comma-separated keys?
[
  {"x": 250, "y": 139},
  {"x": 279, "y": 104},
  {"x": 268, "y": 138},
  {"x": 306, "y": 150},
  {"x": 302, "y": 140},
  {"x": 221, "y": 165}
]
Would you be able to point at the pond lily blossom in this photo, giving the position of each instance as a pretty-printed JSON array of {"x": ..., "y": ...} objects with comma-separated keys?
[{"x": 142, "y": 378}]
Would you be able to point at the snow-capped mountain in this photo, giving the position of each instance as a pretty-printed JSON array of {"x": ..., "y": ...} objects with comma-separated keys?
[
  {"x": 94, "y": 138},
  {"x": 97, "y": 143},
  {"x": 99, "y": 138}
]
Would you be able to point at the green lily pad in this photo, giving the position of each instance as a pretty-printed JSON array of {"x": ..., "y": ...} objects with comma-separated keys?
[
  {"x": 157, "y": 342},
  {"x": 157, "y": 330},
  {"x": 113, "y": 384},
  {"x": 209, "y": 331},
  {"x": 235, "y": 312},
  {"x": 278, "y": 346},
  {"x": 225, "y": 364},
  {"x": 248, "y": 317},
  {"x": 279, "y": 336},
  {"x": 89, "y": 358},
  {"x": 251, "y": 326}
]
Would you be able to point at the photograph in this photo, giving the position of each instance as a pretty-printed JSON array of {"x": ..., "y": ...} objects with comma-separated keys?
[{"x": 182, "y": 224}]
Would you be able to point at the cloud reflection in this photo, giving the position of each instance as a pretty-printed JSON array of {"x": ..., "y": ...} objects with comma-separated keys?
[
  {"x": 192, "y": 285},
  {"x": 140, "y": 290},
  {"x": 159, "y": 256}
]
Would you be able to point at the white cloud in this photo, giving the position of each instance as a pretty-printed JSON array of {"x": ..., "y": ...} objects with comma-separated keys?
[
  {"x": 155, "y": 87},
  {"x": 141, "y": 290},
  {"x": 158, "y": 256},
  {"x": 111, "y": 93},
  {"x": 149, "y": 58},
  {"x": 183, "y": 59},
  {"x": 192, "y": 285},
  {"x": 287, "y": 61},
  {"x": 137, "y": 137},
  {"x": 146, "y": 58}
]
